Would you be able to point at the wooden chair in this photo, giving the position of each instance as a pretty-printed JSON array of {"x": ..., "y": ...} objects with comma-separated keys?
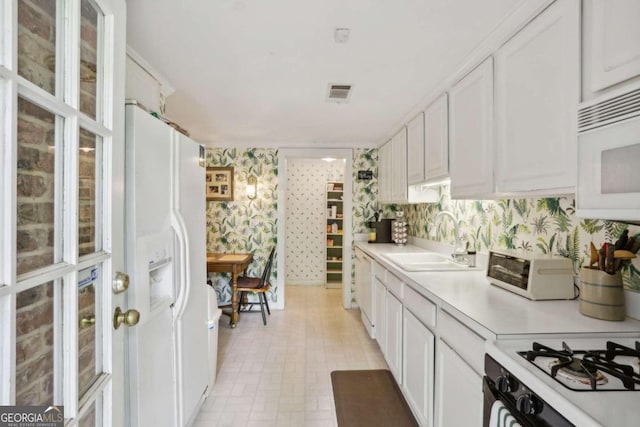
[{"x": 258, "y": 286}]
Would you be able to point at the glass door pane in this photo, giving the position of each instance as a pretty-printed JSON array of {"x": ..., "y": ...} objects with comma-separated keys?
[
  {"x": 89, "y": 328},
  {"x": 37, "y": 42},
  {"x": 90, "y": 54},
  {"x": 37, "y": 201},
  {"x": 93, "y": 416},
  {"x": 37, "y": 344},
  {"x": 90, "y": 193}
]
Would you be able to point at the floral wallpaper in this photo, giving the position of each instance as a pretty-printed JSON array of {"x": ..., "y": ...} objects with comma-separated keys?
[
  {"x": 306, "y": 219},
  {"x": 245, "y": 225},
  {"x": 544, "y": 225},
  {"x": 365, "y": 192}
]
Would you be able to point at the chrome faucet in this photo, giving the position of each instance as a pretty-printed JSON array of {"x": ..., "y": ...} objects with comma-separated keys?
[{"x": 459, "y": 253}]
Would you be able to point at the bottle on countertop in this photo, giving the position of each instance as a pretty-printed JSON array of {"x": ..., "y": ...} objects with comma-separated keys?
[{"x": 471, "y": 257}]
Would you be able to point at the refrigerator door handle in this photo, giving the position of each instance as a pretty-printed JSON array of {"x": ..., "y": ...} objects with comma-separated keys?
[{"x": 183, "y": 290}]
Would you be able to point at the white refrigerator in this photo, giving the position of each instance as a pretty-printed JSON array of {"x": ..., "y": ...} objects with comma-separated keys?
[{"x": 168, "y": 354}]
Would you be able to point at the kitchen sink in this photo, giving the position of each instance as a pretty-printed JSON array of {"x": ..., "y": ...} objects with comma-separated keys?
[{"x": 426, "y": 261}]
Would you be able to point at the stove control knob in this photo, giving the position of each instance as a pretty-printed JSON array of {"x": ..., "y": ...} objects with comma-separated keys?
[
  {"x": 506, "y": 383},
  {"x": 528, "y": 404}
]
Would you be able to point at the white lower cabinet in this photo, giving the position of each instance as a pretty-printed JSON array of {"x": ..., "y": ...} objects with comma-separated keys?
[
  {"x": 380, "y": 315},
  {"x": 364, "y": 289},
  {"x": 459, "y": 390},
  {"x": 394, "y": 336},
  {"x": 418, "y": 365},
  {"x": 440, "y": 378}
]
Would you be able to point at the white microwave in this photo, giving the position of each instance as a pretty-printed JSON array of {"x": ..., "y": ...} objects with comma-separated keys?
[{"x": 608, "y": 184}]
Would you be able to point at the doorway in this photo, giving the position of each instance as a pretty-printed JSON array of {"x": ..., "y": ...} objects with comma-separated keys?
[
  {"x": 313, "y": 249},
  {"x": 287, "y": 160}
]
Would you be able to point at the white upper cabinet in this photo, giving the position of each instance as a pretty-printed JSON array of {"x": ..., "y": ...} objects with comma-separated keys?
[
  {"x": 537, "y": 94},
  {"x": 392, "y": 169},
  {"x": 436, "y": 140},
  {"x": 471, "y": 135},
  {"x": 384, "y": 173},
  {"x": 415, "y": 150},
  {"x": 428, "y": 144},
  {"x": 612, "y": 42},
  {"x": 399, "y": 167}
]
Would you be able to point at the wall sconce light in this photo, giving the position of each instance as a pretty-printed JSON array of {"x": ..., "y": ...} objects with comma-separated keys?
[{"x": 252, "y": 187}]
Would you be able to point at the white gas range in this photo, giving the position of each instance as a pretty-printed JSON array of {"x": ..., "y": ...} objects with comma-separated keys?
[{"x": 584, "y": 381}]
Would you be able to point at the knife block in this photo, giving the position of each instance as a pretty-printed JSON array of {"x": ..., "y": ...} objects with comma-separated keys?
[{"x": 601, "y": 294}]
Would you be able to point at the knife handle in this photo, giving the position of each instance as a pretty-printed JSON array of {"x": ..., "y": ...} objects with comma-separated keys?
[
  {"x": 610, "y": 261},
  {"x": 601, "y": 259}
]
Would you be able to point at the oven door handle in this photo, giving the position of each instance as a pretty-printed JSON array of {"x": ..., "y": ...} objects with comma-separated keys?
[{"x": 491, "y": 392}]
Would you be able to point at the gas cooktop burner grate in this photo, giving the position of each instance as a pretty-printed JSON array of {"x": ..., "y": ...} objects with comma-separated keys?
[
  {"x": 590, "y": 368},
  {"x": 615, "y": 349}
]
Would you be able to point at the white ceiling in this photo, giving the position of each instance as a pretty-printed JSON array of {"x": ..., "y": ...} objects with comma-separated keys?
[{"x": 256, "y": 72}]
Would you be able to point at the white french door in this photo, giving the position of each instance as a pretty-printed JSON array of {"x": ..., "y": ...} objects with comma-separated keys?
[{"x": 61, "y": 215}]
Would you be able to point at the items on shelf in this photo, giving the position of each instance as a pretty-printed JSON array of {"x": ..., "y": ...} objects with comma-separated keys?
[{"x": 334, "y": 248}]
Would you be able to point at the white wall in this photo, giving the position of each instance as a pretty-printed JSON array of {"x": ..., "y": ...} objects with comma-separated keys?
[{"x": 306, "y": 219}]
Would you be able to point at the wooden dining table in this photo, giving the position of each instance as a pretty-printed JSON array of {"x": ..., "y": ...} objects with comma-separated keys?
[{"x": 234, "y": 263}]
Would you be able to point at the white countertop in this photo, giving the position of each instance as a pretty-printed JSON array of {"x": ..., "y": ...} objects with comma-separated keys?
[
  {"x": 510, "y": 323},
  {"x": 494, "y": 312}
]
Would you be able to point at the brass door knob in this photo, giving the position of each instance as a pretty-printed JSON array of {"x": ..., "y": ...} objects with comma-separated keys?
[
  {"x": 129, "y": 317},
  {"x": 87, "y": 321},
  {"x": 120, "y": 282}
]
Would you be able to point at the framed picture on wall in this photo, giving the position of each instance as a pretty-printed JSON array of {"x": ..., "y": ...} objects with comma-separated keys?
[{"x": 219, "y": 183}]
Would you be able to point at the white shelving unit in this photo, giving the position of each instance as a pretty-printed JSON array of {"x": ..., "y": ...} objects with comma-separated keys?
[{"x": 334, "y": 254}]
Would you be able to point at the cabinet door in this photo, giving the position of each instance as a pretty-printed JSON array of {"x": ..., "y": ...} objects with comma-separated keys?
[
  {"x": 436, "y": 140},
  {"x": 457, "y": 384},
  {"x": 417, "y": 372},
  {"x": 394, "y": 336},
  {"x": 613, "y": 33},
  {"x": 537, "y": 93},
  {"x": 471, "y": 135},
  {"x": 384, "y": 173},
  {"x": 364, "y": 287},
  {"x": 359, "y": 267},
  {"x": 380, "y": 318},
  {"x": 415, "y": 150},
  {"x": 399, "y": 167}
]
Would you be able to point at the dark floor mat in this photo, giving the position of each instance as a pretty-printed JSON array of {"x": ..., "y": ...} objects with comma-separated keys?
[{"x": 369, "y": 398}]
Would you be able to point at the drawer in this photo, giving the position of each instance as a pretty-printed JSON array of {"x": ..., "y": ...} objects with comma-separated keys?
[
  {"x": 464, "y": 341},
  {"x": 420, "y": 307},
  {"x": 395, "y": 285},
  {"x": 380, "y": 272}
]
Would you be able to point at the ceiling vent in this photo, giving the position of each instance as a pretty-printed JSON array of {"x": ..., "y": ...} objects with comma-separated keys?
[{"x": 339, "y": 92}]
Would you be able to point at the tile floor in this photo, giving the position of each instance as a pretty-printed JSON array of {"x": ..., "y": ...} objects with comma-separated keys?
[{"x": 279, "y": 374}]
